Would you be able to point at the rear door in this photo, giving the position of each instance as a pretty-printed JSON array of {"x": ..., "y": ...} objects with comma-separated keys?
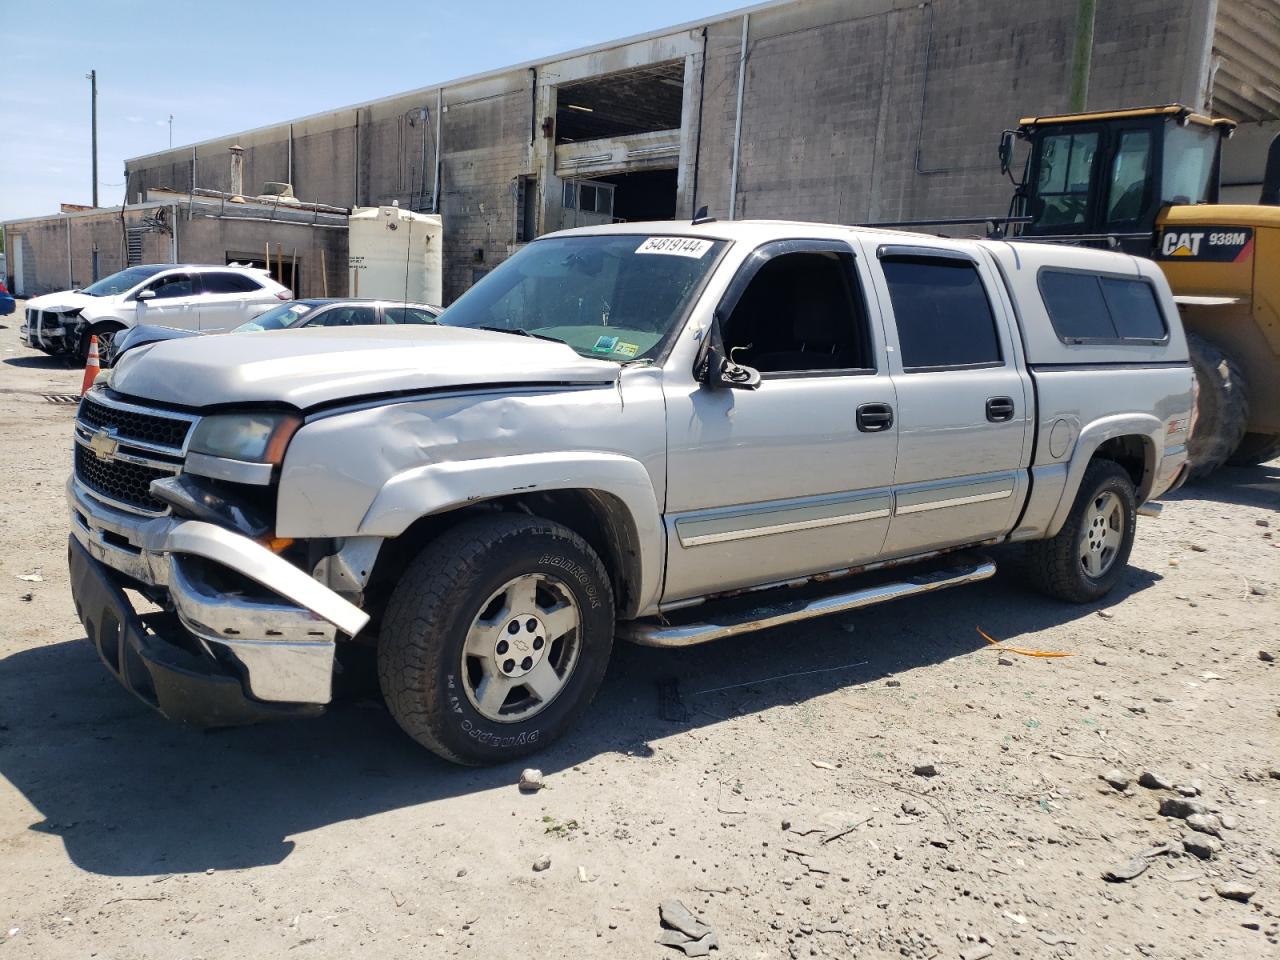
[
  {"x": 964, "y": 402},
  {"x": 226, "y": 299}
]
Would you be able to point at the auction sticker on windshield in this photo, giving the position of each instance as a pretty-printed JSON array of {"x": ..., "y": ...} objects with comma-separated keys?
[{"x": 676, "y": 246}]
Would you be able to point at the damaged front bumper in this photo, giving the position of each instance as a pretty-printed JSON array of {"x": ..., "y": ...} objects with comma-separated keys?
[
  {"x": 51, "y": 332},
  {"x": 249, "y": 635}
]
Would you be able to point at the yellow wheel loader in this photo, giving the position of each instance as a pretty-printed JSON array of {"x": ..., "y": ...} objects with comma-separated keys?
[{"x": 1145, "y": 181}]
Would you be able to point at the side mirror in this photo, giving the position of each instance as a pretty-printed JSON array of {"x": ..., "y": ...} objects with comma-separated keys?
[
  {"x": 1006, "y": 151},
  {"x": 145, "y": 295},
  {"x": 720, "y": 371}
]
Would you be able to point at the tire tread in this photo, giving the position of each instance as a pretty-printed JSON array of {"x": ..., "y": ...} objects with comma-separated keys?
[{"x": 408, "y": 660}]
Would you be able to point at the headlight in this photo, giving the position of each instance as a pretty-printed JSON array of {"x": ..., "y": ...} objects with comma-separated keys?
[{"x": 255, "y": 437}]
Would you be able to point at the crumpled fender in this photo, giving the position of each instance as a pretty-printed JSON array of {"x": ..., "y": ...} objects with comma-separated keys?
[
  {"x": 439, "y": 487},
  {"x": 1091, "y": 438}
]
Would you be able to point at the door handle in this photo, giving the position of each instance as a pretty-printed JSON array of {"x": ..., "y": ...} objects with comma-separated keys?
[
  {"x": 1000, "y": 409},
  {"x": 875, "y": 417}
]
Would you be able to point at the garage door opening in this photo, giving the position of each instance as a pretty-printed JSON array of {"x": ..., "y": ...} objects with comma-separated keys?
[
  {"x": 644, "y": 195},
  {"x": 621, "y": 104}
]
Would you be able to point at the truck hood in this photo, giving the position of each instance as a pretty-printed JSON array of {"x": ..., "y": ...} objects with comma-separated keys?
[
  {"x": 307, "y": 368},
  {"x": 65, "y": 300}
]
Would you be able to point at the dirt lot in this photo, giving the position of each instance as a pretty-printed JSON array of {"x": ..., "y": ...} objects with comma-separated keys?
[{"x": 125, "y": 836}]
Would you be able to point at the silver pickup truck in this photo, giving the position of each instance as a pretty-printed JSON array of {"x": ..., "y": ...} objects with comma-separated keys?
[{"x": 669, "y": 433}]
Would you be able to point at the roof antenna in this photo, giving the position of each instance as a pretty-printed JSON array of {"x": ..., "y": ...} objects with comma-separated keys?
[{"x": 701, "y": 216}]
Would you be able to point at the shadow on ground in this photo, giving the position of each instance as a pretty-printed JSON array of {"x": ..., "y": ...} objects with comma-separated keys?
[
  {"x": 42, "y": 362},
  {"x": 1245, "y": 486},
  {"x": 132, "y": 795}
]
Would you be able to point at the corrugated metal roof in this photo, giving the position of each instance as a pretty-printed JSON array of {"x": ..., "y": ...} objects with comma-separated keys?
[{"x": 1246, "y": 51}]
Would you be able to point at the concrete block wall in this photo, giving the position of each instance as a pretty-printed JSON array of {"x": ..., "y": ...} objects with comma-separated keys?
[
  {"x": 853, "y": 111},
  {"x": 44, "y": 244},
  {"x": 886, "y": 110}
]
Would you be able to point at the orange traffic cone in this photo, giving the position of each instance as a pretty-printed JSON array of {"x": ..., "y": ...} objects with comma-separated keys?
[{"x": 91, "y": 368}]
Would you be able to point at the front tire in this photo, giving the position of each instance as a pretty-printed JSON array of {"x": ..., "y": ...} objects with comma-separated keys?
[
  {"x": 496, "y": 638},
  {"x": 106, "y": 333},
  {"x": 1087, "y": 557}
]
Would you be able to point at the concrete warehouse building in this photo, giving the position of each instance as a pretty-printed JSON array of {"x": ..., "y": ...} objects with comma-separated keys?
[{"x": 835, "y": 110}]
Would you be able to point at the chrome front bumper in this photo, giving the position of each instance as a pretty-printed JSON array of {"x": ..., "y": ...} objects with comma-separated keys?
[{"x": 282, "y": 636}]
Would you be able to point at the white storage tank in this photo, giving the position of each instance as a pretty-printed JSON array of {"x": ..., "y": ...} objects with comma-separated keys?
[{"x": 396, "y": 254}]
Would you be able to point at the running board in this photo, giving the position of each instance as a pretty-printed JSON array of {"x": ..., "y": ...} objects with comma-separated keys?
[{"x": 761, "y": 616}]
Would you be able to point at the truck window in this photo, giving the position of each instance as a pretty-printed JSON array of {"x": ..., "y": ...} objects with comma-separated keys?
[
  {"x": 801, "y": 312},
  {"x": 1086, "y": 307},
  {"x": 944, "y": 318}
]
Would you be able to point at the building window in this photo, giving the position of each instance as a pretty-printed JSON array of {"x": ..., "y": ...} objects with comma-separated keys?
[
  {"x": 133, "y": 246},
  {"x": 589, "y": 196}
]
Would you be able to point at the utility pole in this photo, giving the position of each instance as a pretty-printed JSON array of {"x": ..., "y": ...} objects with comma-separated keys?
[
  {"x": 171, "y": 131},
  {"x": 92, "y": 77}
]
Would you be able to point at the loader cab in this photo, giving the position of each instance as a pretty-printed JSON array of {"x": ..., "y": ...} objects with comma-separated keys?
[{"x": 1100, "y": 179}]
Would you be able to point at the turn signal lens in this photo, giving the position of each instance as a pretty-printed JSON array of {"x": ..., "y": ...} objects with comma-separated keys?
[{"x": 277, "y": 544}]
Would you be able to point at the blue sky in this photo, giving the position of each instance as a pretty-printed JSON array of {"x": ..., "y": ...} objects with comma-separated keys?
[{"x": 233, "y": 65}]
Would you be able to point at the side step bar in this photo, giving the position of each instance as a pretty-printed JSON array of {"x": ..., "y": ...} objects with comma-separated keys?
[{"x": 651, "y": 633}]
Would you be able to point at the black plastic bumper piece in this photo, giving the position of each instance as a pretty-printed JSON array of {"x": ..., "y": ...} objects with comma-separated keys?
[{"x": 158, "y": 660}]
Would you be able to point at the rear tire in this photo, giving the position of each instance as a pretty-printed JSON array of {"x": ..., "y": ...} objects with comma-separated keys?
[
  {"x": 496, "y": 638},
  {"x": 1222, "y": 409},
  {"x": 1256, "y": 448},
  {"x": 1088, "y": 556}
]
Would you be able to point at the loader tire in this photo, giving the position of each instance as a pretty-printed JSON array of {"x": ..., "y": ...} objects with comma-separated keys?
[
  {"x": 1222, "y": 409},
  {"x": 1256, "y": 448}
]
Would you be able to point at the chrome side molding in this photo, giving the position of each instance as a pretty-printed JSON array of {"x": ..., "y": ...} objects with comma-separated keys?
[{"x": 651, "y": 633}]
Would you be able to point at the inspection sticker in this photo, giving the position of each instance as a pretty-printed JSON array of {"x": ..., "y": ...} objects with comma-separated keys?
[
  {"x": 676, "y": 246},
  {"x": 627, "y": 349},
  {"x": 605, "y": 345}
]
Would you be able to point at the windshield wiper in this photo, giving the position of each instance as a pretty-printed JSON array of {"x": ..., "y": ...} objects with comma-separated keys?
[{"x": 516, "y": 331}]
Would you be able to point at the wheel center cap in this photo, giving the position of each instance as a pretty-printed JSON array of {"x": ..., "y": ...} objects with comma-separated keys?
[{"x": 520, "y": 644}]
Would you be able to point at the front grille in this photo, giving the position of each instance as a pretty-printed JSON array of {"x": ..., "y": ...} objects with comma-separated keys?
[
  {"x": 119, "y": 480},
  {"x": 131, "y": 425}
]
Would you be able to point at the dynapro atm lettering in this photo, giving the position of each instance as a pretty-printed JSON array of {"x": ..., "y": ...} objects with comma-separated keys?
[{"x": 1214, "y": 244}]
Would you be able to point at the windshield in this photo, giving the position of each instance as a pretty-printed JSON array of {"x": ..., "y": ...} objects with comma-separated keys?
[
  {"x": 124, "y": 280},
  {"x": 278, "y": 318},
  {"x": 612, "y": 297}
]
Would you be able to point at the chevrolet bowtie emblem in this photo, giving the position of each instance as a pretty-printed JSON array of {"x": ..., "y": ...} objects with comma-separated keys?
[{"x": 103, "y": 445}]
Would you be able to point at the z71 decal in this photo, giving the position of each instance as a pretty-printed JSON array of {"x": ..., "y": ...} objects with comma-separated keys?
[{"x": 1208, "y": 244}]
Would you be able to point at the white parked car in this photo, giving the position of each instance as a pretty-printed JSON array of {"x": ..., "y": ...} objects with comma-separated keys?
[{"x": 209, "y": 299}]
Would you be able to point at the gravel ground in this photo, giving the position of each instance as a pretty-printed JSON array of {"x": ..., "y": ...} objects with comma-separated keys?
[{"x": 786, "y": 811}]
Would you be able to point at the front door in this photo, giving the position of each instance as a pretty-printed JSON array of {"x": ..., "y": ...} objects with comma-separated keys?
[
  {"x": 964, "y": 406},
  {"x": 794, "y": 477},
  {"x": 176, "y": 302}
]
